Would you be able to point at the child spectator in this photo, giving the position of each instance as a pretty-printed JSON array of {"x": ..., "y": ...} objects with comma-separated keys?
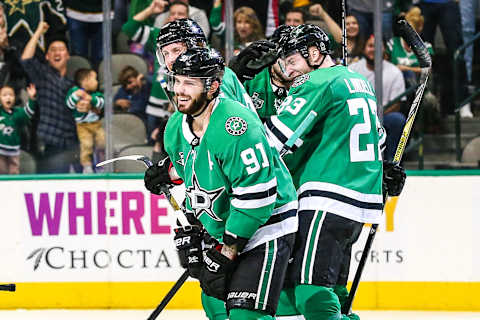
[
  {"x": 87, "y": 105},
  {"x": 11, "y": 120},
  {"x": 134, "y": 93}
]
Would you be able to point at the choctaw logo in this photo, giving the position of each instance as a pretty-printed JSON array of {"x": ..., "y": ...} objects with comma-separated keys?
[{"x": 236, "y": 126}]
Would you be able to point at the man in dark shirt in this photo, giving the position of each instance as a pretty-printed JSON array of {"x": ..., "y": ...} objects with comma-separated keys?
[{"x": 56, "y": 130}]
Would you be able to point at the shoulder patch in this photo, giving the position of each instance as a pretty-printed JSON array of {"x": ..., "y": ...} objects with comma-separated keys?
[
  {"x": 300, "y": 80},
  {"x": 236, "y": 126}
]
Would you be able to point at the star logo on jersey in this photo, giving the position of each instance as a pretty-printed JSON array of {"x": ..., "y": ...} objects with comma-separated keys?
[
  {"x": 202, "y": 200},
  {"x": 17, "y": 5},
  {"x": 236, "y": 126}
]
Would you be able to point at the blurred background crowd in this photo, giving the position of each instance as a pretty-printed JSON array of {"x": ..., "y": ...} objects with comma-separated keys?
[{"x": 52, "y": 75}]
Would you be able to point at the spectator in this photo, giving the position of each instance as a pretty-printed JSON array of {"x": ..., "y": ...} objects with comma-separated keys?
[
  {"x": 400, "y": 54},
  {"x": 295, "y": 17},
  {"x": 133, "y": 94},
  {"x": 194, "y": 13},
  {"x": 56, "y": 129},
  {"x": 393, "y": 85},
  {"x": 11, "y": 120},
  {"x": 87, "y": 104},
  {"x": 468, "y": 8},
  {"x": 363, "y": 11},
  {"x": 177, "y": 10},
  {"x": 85, "y": 27},
  {"x": 446, "y": 14},
  {"x": 247, "y": 26},
  {"x": 355, "y": 40},
  {"x": 332, "y": 27}
]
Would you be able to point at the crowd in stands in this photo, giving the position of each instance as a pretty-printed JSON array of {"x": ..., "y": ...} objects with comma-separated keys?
[{"x": 58, "y": 118}]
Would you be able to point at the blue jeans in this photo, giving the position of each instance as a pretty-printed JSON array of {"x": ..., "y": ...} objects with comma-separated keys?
[
  {"x": 468, "y": 8},
  {"x": 365, "y": 23},
  {"x": 85, "y": 35},
  {"x": 393, "y": 123}
]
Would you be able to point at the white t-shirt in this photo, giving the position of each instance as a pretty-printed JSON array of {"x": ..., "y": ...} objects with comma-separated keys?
[{"x": 393, "y": 81}]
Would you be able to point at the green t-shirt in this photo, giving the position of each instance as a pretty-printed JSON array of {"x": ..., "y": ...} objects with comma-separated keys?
[
  {"x": 336, "y": 163},
  {"x": 10, "y": 125},
  {"x": 235, "y": 181},
  {"x": 399, "y": 56}
]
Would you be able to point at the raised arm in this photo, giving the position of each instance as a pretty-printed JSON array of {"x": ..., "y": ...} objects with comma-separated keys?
[
  {"x": 333, "y": 27},
  {"x": 29, "y": 50}
]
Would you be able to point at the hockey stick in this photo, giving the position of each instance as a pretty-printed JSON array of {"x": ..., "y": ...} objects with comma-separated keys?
[
  {"x": 425, "y": 61},
  {"x": 148, "y": 163},
  {"x": 344, "y": 33},
  {"x": 298, "y": 132},
  {"x": 169, "y": 296},
  {"x": 8, "y": 287}
]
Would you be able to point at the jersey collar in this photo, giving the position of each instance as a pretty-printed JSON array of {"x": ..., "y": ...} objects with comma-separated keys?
[{"x": 188, "y": 134}]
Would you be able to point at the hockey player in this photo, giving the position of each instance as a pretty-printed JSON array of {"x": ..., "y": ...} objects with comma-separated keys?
[
  {"x": 236, "y": 186},
  {"x": 336, "y": 166},
  {"x": 172, "y": 40}
]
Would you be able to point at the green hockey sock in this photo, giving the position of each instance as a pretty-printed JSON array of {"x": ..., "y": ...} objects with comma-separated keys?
[
  {"x": 214, "y": 308},
  {"x": 342, "y": 293},
  {"x": 286, "y": 303},
  {"x": 317, "y": 302},
  {"x": 245, "y": 314}
]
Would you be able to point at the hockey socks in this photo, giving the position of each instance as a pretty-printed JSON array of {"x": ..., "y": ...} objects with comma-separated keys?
[
  {"x": 317, "y": 302},
  {"x": 214, "y": 308},
  {"x": 245, "y": 314},
  {"x": 342, "y": 294},
  {"x": 286, "y": 304}
]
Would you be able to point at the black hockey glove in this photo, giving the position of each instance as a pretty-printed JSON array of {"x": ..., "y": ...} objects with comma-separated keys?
[
  {"x": 253, "y": 59},
  {"x": 215, "y": 274},
  {"x": 393, "y": 179},
  {"x": 188, "y": 242},
  {"x": 158, "y": 176}
]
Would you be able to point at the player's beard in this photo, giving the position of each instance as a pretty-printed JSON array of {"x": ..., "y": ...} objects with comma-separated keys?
[{"x": 196, "y": 105}]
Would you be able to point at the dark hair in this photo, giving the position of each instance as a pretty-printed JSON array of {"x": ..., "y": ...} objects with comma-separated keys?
[
  {"x": 80, "y": 75},
  {"x": 58, "y": 36},
  {"x": 126, "y": 74},
  {"x": 180, "y": 3},
  {"x": 304, "y": 15}
]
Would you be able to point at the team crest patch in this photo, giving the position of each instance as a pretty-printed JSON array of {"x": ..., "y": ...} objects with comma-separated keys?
[
  {"x": 236, "y": 126},
  {"x": 300, "y": 80}
]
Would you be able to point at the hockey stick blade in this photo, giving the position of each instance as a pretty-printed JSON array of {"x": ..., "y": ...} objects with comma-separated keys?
[
  {"x": 8, "y": 287},
  {"x": 136, "y": 157}
]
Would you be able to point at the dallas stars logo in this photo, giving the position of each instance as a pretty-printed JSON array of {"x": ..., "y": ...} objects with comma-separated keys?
[
  {"x": 202, "y": 200},
  {"x": 236, "y": 126}
]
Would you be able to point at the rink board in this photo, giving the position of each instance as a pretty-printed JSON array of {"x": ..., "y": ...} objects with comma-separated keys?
[{"x": 105, "y": 242}]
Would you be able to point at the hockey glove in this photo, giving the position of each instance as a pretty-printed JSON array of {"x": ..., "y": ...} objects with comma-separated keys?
[
  {"x": 158, "y": 176},
  {"x": 215, "y": 274},
  {"x": 188, "y": 242},
  {"x": 253, "y": 59},
  {"x": 393, "y": 179}
]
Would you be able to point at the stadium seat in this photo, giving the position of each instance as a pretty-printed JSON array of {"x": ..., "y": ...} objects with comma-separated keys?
[
  {"x": 75, "y": 63},
  {"x": 471, "y": 152},
  {"x": 27, "y": 163},
  {"x": 127, "y": 129},
  {"x": 120, "y": 61},
  {"x": 132, "y": 166},
  {"x": 121, "y": 43}
]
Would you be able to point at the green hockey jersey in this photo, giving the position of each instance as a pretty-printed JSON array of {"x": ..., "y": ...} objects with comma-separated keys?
[
  {"x": 10, "y": 124},
  {"x": 266, "y": 96},
  {"x": 336, "y": 162},
  {"x": 146, "y": 35},
  {"x": 235, "y": 181},
  {"x": 98, "y": 102}
]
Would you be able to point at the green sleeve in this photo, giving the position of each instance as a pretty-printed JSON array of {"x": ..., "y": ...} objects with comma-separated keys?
[
  {"x": 142, "y": 33},
  {"x": 98, "y": 101},
  {"x": 233, "y": 89},
  {"x": 247, "y": 162},
  {"x": 218, "y": 27},
  {"x": 72, "y": 99},
  {"x": 137, "y": 6},
  {"x": 23, "y": 115}
]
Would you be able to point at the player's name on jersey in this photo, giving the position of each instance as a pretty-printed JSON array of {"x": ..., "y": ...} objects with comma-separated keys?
[{"x": 358, "y": 85}]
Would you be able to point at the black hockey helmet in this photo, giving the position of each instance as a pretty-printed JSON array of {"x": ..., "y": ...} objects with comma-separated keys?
[
  {"x": 206, "y": 64},
  {"x": 282, "y": 31},
  {"x": 181, "y": 30},
  {"x": 301, "y": 38}
]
